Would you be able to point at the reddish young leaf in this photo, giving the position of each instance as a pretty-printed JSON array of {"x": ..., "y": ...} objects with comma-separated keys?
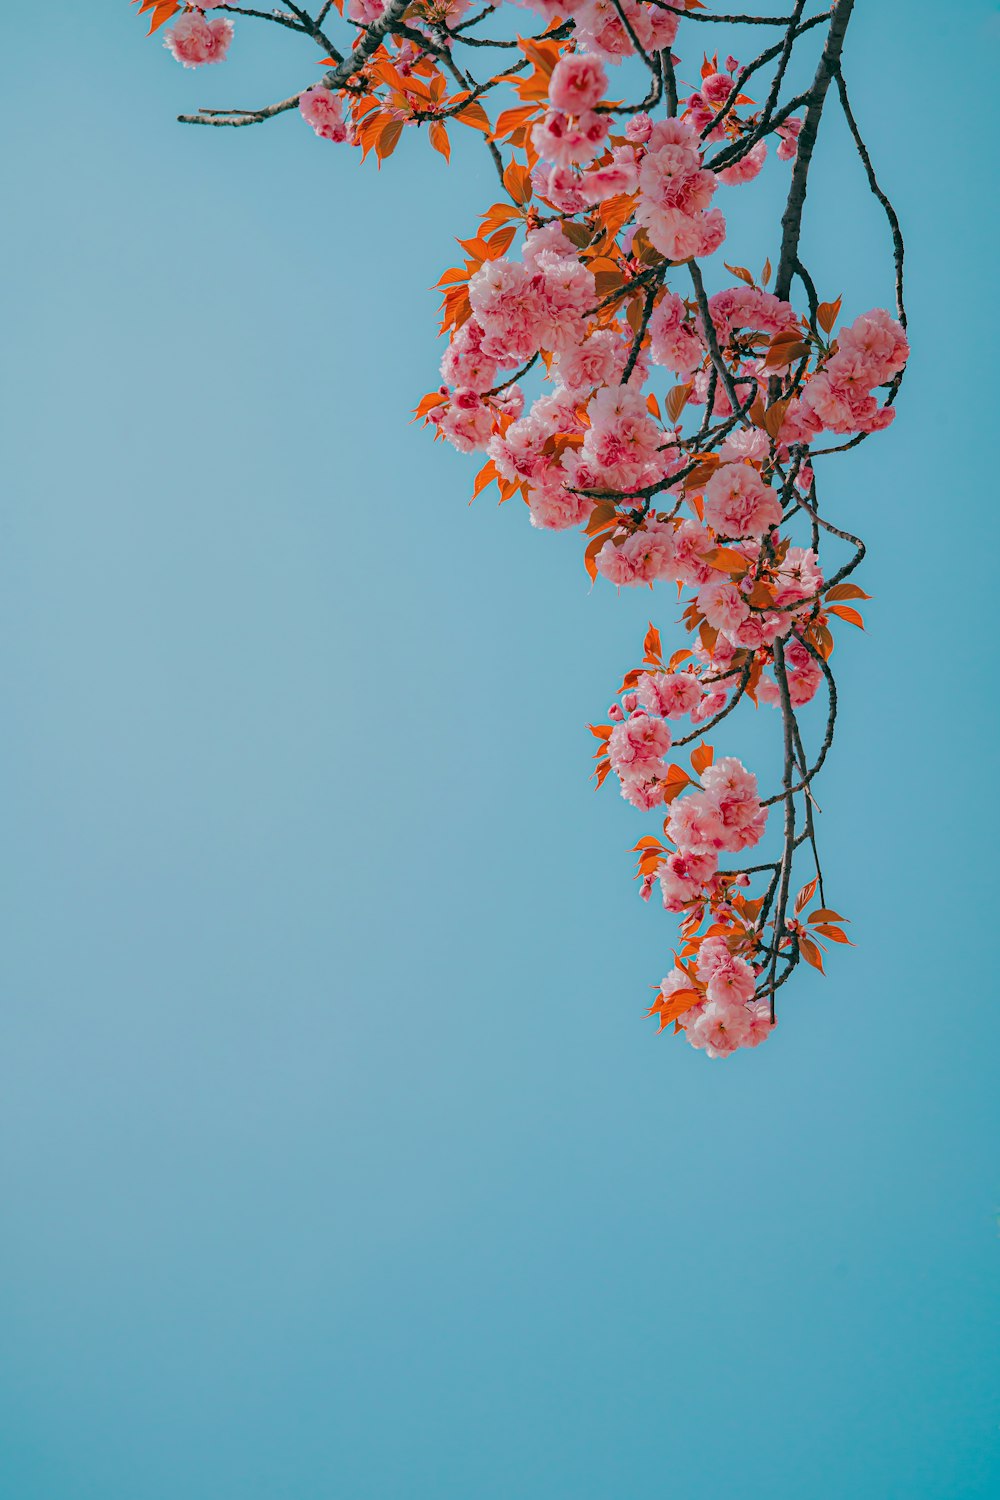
[
  {"x": 835, "y": 934},
  {"x": 827, "y": 314},
  {"x": 811, "y": 954},
  {"x": 679, "y": 1002},
  {"x": 845, "y": 612},
  {"x": 676, "y": 780},
  {"x": 162, "y": 11},
  {"x": 702, "y": 757},
  {"x": 805, "y": 895},
  {"x": 846, "y": 591},
  {"x": 439, "y": 139}
]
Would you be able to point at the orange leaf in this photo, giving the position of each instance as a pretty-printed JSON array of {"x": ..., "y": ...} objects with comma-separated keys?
[
  {"x": 677, "y": 398},
  {"x": 741, "y": 272},
  {"x": 845, "y": 612},
  {"x": 827, "y": 314},
  {"x": 651, "y": 645},
  {"x": 811, "y": 954},
  {"x": 517, "y": 181},
  {"x": 388, "y": 139},
  {"x": 805, "y": 895},
  {"x": 679, "y": 1002},
  {"x": 774, "y": 416},
  {"x": 439, "y": 139},
  {"x": 702, "y": 757},
  {"x": 475, "y": 115},
  {"x": 846, "y": 591},
  {"x": 485, "y": 477},
  {"x": 835, "y": 933},
  {"x": 511, "y": 119},
  {"x": 162, "y": 11},
  {"x": 727, "y": 560},
  {"x": 823, "y": 914},
  {"x": 601, "y": 731},
  {"x": 674, "y": 783},
  {"x": 590, "y": 556}
]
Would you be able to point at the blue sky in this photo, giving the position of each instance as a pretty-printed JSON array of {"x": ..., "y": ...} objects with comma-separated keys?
[{"x": 336, "y": 1155}]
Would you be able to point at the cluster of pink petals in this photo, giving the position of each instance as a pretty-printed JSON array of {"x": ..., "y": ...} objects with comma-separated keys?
[
  {"x": 804, "y": 675},
  {"x": 578, "y": 82},
  {"x": 636, "y": 748},
  {"x": 725, "y": 815},
  {"x": 675, "y": 193},
  {"x": 566, "y": 140},
  {"x": 364, "y": 12},
  {"x": 739, "y": 504},
  {"x": 841, "y": 397},
  {"x": 194, "y": 40},
  {"x": 599, "y": 25},
  {"x": 322, "y": 109},
  {"x": 526, "y": 306}
]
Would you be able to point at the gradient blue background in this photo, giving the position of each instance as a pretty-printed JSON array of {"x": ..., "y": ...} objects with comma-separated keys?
[{"x": 337, "y": 1157}]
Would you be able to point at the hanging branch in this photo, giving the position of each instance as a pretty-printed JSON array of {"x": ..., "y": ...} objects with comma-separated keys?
[{"x": 678, "y": 428}]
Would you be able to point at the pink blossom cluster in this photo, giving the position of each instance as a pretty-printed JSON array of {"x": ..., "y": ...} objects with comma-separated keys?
[
  {"x": 195, "y": 40},
  {"x": 723, "y": 1015},
  {"x": 324, "y": 112},
  {"x": 840, "y": 398}
]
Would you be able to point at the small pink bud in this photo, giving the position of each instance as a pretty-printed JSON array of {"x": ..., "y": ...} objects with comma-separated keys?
[
  {"x": 732, "y": 65},
  {"x": 630, "y": 702},
  {"x": 742, "y": 879},
  {"x": 615, "y": 714}
]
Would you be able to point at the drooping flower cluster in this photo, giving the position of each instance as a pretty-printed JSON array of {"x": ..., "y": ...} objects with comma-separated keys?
[
  {"x": 195, "y": 40},
  {"x": 679, "y": 427}
]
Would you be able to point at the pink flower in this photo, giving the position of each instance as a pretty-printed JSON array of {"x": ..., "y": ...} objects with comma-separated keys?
[
  {"x": 747, "y": 168},
  {"x": 638, "y": 746},
  {"x": 507, "y": 302},
  {"x": 674, "y": 194},
  {"x": 673, "y": 342},
  {"x": 559, "y": 186},
  {"x": 193, "y": 40},
  {"x": 691, "y": 544},
  {"x": 745, "y": 443},
  {"x": 672, "y": 694},
  {"x": 684, "y": 876},
  {"x": 797, "y": 576},
  {"x": 759, "y": 1026},
  {"x": 694, "y": 825},
  {"x": 590, "y": 364},
  {"x": 732, "y": 983},
  {"x": 623, "y": 440},
  {"x": 738, "y": 503},
  {"x": 879, "y": 340},
  {"x": 618, "y": 176},
  {"x": 720, "y": 1029},
  {"x": 566, "y": 139},
  {"x": 722, "y": 604},
  {"x": 578, "y": 82},
  {"x": 321, "y": 108},
  {"x": 466, "y": 421},
  {"x": 464, "y": 362},
  {"x": 365, "y": 11},
  {"x": 789, "y": 133},
  {"x": 599, "y": 26},
  {"x": 555, "y": 508}
]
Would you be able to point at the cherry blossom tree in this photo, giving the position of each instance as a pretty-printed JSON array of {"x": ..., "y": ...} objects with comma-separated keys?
[{"x": 679, "y": 431}]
